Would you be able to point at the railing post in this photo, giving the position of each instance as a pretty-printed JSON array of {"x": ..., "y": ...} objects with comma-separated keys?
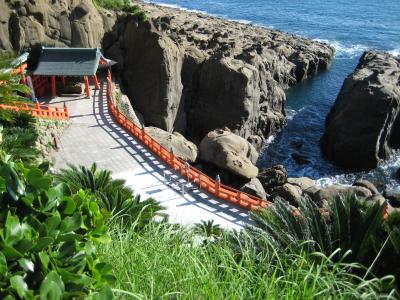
[
  {"x": 142, "y": 132},
  {"x": 218, "y": 184},
  {"x": 187, "y": 169},
  {"x": 171, "y": 157},
  {"x": 66, "y": 110}
]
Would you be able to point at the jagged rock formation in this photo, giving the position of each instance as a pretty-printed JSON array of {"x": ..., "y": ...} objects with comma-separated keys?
[
  {"x": 193, "y": 73},
  {"x": 363, "y": 127},
  {"x": 69, "y": 23},
  {"x": 185, "y": 72}
]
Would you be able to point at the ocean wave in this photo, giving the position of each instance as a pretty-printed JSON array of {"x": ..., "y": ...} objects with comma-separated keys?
[
  {"x": 175, "y": 6},
  {"x": 395, "y": 52},
  {"x": 343, "y": 50},
  {"x": 178, "y": 7}
]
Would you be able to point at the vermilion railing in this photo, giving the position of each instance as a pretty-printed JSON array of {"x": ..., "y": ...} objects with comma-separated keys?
[
  {"x": 212, "y": 186},
  {"x": 42, "y": 111}
]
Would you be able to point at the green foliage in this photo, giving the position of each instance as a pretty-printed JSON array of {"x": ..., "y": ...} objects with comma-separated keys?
[
  {"x": 48, "y": 237},
  {"x": 114, "y": 198},
  {"x": 11, "y": 89},
  {"x": 207, "y": 229},
  {"x": 6, "y": 59},
  {"x": 21, "y": 143},
  {"x": 122, "y": 5},
  {"x": 11, "y": 118},
  {"x": 359, "y": 230},
  {"x": 166, "y": 262}
]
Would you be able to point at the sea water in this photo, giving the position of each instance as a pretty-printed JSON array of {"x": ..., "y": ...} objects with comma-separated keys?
[{"x": 351, "y": 27}]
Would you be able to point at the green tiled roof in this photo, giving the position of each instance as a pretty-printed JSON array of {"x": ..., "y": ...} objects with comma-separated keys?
[{"x": 68, "y": 62}]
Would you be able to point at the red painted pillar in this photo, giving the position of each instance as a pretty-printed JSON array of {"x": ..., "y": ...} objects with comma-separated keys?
[
  {"x": 96, "y": 82},
  {"x": 63, "y": 80},
  {"x": 53, "y": 86},
  {"x": 87, "y": 87}
]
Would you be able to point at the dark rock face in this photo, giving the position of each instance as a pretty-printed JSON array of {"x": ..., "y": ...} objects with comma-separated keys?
[
  {"x": 273, "y": 177},
  {"x": 53, "y": 23},
  {"x": 363, "y": 127},
  {"x": 194, "y": 73}
]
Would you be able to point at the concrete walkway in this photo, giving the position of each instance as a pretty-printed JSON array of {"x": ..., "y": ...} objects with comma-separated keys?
[{"x": 94, "y": 137}]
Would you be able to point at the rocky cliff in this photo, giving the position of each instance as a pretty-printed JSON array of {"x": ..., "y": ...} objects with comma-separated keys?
[
  {"x": 193, "y": 73},
  {"x": 185, "y": 72},
  {"x": 363, "y": 126},
  {"x": 61, "y": 23}
]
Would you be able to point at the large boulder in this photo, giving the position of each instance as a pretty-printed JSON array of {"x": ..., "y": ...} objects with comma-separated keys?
[
  {"x": 368, "y": 185},
  {"x": 255, "y": 188},
  {"x": 181, "y": 147},
  {"x": 290, "y": 192},
  {"x": 363, "y": 126},
  {"x": 230, "y": 152},
  {"x": 329, "y": 193}
]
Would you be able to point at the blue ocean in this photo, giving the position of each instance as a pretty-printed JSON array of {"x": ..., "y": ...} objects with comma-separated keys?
[{"x": 351, "y": 27}]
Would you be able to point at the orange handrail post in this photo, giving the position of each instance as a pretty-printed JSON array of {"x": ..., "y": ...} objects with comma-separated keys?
[{"x": 53, "y": 86}]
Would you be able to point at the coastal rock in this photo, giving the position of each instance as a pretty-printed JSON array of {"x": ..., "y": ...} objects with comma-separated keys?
[
  {"x": 255, "y": 188},
  {"x": 290, "y": 192},
  {"x": 303, "y": 183},
  {"x": 273, "y": 177},
  {"x": 180, "y": 146},
  {"x": 230, "y": 152},
  {"x": 330, "y": 192},
  {"x": 393, "y": 197},
  {"x": 363, "y": 127},
  {"x": 183, "y": 69},
  {"x": 368, "y": 185}
]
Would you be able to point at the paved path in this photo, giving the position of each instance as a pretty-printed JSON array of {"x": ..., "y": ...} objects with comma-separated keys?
[{"x": 94, "y": 137}]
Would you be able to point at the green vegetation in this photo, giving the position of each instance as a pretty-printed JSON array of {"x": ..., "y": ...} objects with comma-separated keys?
[
  {"x": 80, "y": 233},
  {"x": 48, "y": 237},
  {"x": 125, "y": 6},
  {"x": 168, "y": 262},
  {"x": 357, "y": 228},
  {"x": 115, "y": 199}
]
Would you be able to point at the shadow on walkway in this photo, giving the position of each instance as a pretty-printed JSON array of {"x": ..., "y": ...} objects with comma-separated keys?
[{"x": 156, "y": 168}]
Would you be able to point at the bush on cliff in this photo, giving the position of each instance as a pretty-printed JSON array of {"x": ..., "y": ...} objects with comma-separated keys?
[
  {"x": 358, "y": 229},
  {"x": 122, "y": 5}
]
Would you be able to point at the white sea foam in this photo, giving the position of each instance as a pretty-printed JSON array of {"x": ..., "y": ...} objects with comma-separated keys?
[
  {"x": 395, "y": 52},
  {"x": 242, "y": 21},
  {"x": 343, "y": 50}
]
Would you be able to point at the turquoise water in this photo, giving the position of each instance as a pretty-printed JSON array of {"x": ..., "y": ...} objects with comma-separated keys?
[{"x": 351, "y": 27}]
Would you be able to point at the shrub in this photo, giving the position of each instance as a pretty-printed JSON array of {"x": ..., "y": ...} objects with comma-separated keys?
[
  {"x": 48, "y": 237},
  {"x": 122, "y": 5},
  {"x": 114, "y": 198},
  {"x": 10, "y": 118},
  {"x": 166, "y": 262},
  {"x": 359, "y": 230},
  {"x": 21, "y": 143}
]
